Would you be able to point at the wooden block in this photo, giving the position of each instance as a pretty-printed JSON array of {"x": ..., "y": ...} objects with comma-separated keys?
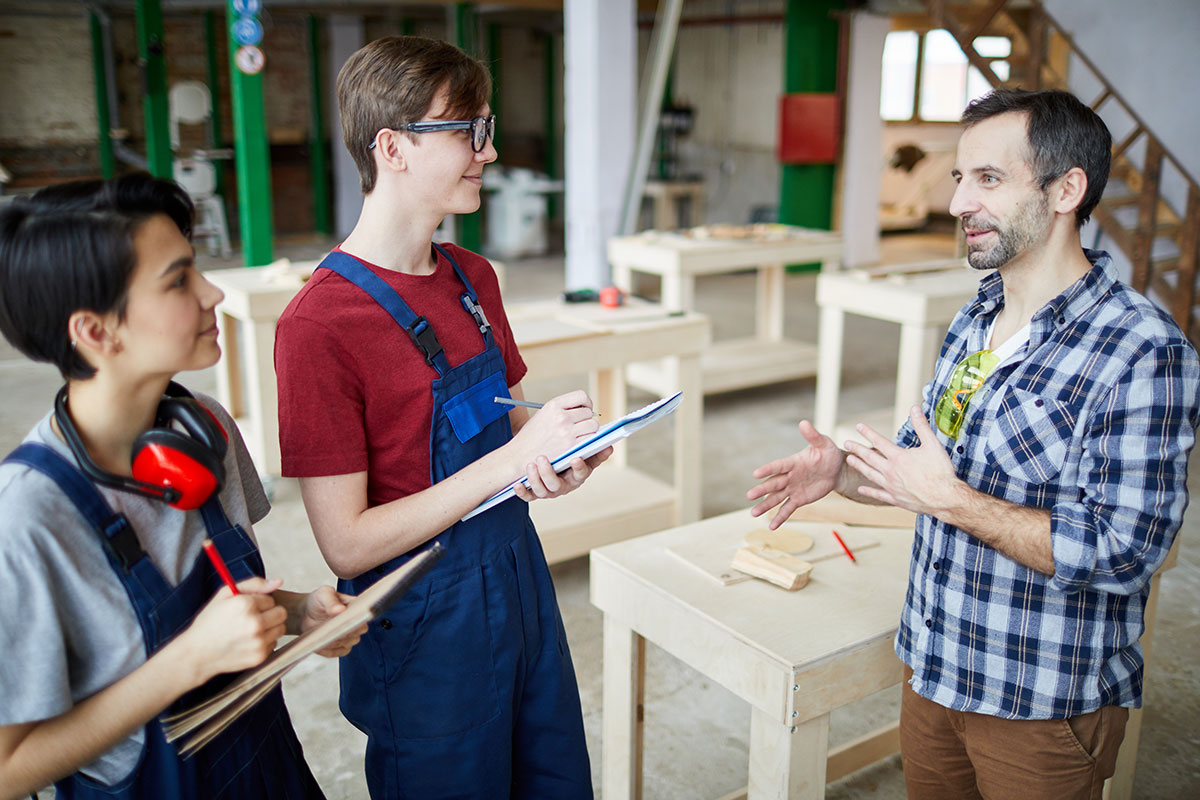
[
  {"x": 771, "y": 565},
  {"x": 711, "y": 555}
]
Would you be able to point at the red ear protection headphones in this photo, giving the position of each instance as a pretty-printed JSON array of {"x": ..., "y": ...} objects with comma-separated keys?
[{"x": 183, "y": 469}]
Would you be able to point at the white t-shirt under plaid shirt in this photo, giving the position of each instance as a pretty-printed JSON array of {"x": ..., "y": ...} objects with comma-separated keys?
[{"x": 1093, "y": 421}]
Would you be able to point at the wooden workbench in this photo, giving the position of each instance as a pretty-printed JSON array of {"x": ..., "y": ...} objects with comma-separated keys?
[
  {"x": 555, "y": 339},
  {"x": 678, "y": 259},
  {"x": 793, "y": 656},
  {"x": 922, "y": 298}
]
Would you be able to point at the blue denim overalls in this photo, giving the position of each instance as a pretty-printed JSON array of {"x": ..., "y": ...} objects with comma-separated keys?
[
  {"x": 466, "y": 688},
  {"x": 258, "y": 756}
]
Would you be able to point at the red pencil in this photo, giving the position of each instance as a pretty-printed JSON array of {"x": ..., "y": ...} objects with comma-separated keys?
[
  {"x": 847, "y": 549},
  {"x": 219, "y": 564}
]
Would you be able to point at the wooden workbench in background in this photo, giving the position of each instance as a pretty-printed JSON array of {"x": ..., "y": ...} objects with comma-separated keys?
[{"x": 678, "y": 258}]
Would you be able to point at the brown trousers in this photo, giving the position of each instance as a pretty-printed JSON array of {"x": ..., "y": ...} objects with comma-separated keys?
[{"x": 955, "y": 754}]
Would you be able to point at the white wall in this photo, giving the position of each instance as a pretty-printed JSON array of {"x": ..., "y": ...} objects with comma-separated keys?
[
  {"x": 733, "y": 76},
  {"x": 1147, "y": 51},
  {"x": 39, "y": 105}
]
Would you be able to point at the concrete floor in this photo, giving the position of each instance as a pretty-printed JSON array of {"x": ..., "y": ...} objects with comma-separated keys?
[{"x": 696, "y": 732}]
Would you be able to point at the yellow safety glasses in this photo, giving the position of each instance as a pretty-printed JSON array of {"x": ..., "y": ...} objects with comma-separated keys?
[{"x": 966, "y": 379}]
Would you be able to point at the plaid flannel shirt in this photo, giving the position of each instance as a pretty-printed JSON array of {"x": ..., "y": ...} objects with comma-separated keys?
[{"x": 1094, "y": 423}]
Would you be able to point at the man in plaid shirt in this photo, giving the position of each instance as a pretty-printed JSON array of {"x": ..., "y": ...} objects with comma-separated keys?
[{"x": 1049, "y": 485}]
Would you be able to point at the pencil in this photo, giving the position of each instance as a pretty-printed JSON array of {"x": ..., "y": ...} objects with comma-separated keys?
[
  {"x": 847, "y": 549},
  {"x": 508, "y": 401},
  {"x": 218, "y": 563}
]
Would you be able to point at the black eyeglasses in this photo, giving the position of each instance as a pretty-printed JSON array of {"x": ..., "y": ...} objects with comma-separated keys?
[{"x": 481, "y": 128}]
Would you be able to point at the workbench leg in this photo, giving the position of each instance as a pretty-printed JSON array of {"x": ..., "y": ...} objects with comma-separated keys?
[
  {"x": 918, "y": 355},
  {"x": 622, "y": 277},
  {"x": 768, "y": 319},
  {"x": 665, "y": 218},
  {"x": 607, "y": 388},
  {"x": 623, "y": 710},
  {"x": 678, "y": 291},
  {"x": 229, "y": 370},
  {"x": 263, "y": 401},
  {"x": 1120, "y": 785},
  {"x": 787, "y": 762},
  {"x": 829, "y": 367},
  {"x": 689, "y": 449}
]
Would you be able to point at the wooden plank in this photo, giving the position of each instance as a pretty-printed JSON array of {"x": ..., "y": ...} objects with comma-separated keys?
[
  {"x": 863, "y": 751},
  {"x": 1143, "y": 239},
  {"x": 787, "y": 762},
  {"x": 984, "y": 20},
  {"x": 1189, "y": 243},
  {"x": 740, "y": 363},
  {"x": 1101, "y": 99},
  {"x": 1114, "y": 229},
  {"x": 956, "y": 29},
  {"x": 624, "y": 710},
  {"x": 1120, "y": 147},
  {"x": 615, "y": 503},
  {"x": 1037, "y": 48},
  {"x": 851, "y": 756}
]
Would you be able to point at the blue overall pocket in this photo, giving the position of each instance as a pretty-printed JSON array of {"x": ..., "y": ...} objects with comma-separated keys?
[{"x": 473, "y": 409}]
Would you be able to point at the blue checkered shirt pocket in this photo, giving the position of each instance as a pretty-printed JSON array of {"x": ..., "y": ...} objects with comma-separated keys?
[{"x": 1029, "y": 438}]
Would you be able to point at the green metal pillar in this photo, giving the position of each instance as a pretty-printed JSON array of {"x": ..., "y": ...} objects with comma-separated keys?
[
  {"x": 152, "y": 61},
  {"x": 666, "y": 137},
  {"x": 318, "y": 153},
  {"x": 108, "y": 164},
  {"x": 213, "y": 79},
  {"x": 493, "y": 49},
  {"x": 810, "y": 65},
  {"x": 551, "y": 70},
  {"x": 252, "y": 156},
  {"x": 469, "y": 235}
]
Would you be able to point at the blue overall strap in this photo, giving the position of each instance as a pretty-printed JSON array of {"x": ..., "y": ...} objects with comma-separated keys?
[
  {"x": 117, "y": 534},
  {"x": 470, "y": 300},
  {"x": 418, "y": 328}
]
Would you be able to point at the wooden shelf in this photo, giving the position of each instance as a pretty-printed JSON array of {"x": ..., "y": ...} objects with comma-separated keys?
[{"x": 616, "y": 503}]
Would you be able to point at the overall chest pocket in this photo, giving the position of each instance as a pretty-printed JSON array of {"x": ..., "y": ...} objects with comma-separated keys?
[{"x": 1030, "y": 435}]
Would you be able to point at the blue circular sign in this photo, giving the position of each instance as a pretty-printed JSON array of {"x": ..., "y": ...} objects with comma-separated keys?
[
  {"x": 247, "y": 30},
  {"x": 247, "y": 6}
]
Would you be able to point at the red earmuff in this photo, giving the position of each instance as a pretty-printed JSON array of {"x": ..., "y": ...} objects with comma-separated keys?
[
  {"x": 181, "y": 468},
  {"x": 190, "y": 462}
]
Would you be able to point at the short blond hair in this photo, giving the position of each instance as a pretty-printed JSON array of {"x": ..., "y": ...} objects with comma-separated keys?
[{"x": 393, "y": 80}]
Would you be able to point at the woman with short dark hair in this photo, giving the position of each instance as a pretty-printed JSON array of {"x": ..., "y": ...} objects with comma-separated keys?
[{"x": 113, "y": 612}]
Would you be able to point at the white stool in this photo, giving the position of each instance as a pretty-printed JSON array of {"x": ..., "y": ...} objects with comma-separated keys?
[{"x": 198, "y": 177}]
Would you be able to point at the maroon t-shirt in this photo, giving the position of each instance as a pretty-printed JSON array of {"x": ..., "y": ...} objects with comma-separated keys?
[{"x": 354, "y": 390}]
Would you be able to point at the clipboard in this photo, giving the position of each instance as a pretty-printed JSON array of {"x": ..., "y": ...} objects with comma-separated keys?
[
  {"x": 204, "y": 721},
  {"x": 608, "y": 435}
]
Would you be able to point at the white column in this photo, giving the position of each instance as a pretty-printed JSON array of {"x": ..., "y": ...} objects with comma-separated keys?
[
  {"x": 599, "y": 104},
  {"x": 862, "y": 162},
  {"x": 345, "y": 36}
]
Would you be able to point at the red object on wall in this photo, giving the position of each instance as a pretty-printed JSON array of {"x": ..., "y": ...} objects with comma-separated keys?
[{"x": 810, "y": 128}]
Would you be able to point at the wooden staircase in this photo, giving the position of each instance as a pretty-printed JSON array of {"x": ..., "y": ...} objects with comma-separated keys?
[{"x": 1160, "y": 240}]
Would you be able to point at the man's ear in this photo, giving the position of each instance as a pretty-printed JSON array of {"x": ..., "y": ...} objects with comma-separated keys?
[
  {"x": 93, "y": 333},
  {"x": 1068, "y": 191},
  {"x": 389, "y": 151}
]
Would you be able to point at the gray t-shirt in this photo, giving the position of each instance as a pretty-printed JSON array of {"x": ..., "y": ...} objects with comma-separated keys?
[{"x": 67, "y": 629}]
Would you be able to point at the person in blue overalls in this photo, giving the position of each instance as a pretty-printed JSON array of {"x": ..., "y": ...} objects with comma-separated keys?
[
  {"x": 389, "y": 361},
  {"x": 112, "y": 612}
]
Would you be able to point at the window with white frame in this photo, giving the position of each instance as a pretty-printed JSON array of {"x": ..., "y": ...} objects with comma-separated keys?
[{"x": 927, "y": 77}]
